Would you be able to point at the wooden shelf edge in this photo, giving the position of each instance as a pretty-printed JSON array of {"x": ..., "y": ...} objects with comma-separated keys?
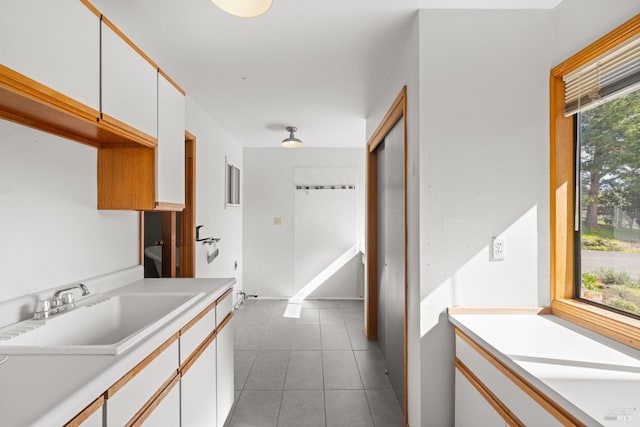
[
  {"x": 25, "y": 101},
  {"x": 30, "y": 103},
  {"x": 169, "y": 207},
  {"x": 126, "y": 132}
]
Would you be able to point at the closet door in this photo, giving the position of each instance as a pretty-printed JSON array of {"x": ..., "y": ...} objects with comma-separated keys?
[{"x": 391, "y": 255}]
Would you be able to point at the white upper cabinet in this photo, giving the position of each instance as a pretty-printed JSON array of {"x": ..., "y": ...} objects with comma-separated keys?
[
  {"x": 129, "y": 90},
  {"x": 170, "y": 155},
  {"x": 56, "y": 43}
]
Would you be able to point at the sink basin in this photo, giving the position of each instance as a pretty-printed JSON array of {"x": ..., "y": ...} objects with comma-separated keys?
[{"x": 105, "y": 325}]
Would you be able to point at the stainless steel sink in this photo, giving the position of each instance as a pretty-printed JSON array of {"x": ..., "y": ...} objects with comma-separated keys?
[{"x": 104, "y": 325}]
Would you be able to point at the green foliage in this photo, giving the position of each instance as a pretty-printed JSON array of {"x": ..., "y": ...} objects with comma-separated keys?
[
  {"x": 610, "y": 160},
  {"x": 624, "y": 305},
  {"x": 610, "y": 276},
  {"x": 590, "y": 281}
]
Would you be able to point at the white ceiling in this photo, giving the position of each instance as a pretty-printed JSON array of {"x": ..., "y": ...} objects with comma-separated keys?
[{"x": 311, "y": 64}]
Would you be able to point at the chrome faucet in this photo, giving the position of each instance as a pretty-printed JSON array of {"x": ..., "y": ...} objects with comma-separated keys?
[
  {"x": 81, "y": 286},
  {"x": 62, "y": 301}
]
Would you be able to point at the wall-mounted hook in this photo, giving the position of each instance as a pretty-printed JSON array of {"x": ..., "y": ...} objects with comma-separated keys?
[
  {"x": 198, "y": 232},
  {"x": 205, "y": 240}
]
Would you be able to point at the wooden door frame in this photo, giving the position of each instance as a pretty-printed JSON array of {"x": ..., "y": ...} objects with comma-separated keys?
[
  {"x": 397, "y": 111},
  {"x": 188, "y": 218},
  {"x": 187, "y": 223}
]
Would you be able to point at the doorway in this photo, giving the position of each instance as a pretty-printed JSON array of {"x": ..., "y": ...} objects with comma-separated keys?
[
  {"x": 386, "y": 297},
  {"x": 167, "y": 238}
]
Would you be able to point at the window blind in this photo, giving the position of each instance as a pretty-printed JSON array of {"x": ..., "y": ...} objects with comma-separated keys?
[{"x": 614, "y": 74}]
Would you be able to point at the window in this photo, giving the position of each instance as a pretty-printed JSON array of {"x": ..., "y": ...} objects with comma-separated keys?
[
  {"x": 609, "y": 204},
  {"x": 594, "y": 193},
  {"x": 232, "y": 178}
]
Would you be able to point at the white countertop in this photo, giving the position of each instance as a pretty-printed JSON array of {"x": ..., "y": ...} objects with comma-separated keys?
[
  {"x": 48, "y": 390},
  {"x": 588, "y": 374}
]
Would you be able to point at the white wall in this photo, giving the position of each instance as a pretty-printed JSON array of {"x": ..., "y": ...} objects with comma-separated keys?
[
  {"x": 405, "y": 72},
  {"x": 269, "y": 185},
  {"x": 577, "y": 23},
  {"x": 51, "y": 231},
  {"x": 213, "y": 143},
  {"x": 483, "y": 173}
]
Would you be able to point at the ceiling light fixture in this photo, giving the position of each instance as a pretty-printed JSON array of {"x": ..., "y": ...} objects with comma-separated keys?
[
  {"x": 244, "y": 8},
  {"x": 292, "y": 141}
]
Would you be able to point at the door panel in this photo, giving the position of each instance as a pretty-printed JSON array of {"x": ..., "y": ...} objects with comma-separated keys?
[{"x": 391, "y": 255}]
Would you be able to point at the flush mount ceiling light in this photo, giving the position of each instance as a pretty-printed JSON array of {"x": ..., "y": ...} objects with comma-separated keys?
[
  {"x": 244, "y": 8},
  {"x": 292, "y": 141}
]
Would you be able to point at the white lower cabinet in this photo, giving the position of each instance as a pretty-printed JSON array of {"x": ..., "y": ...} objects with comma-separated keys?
[
  {"x": 186, "y": 382},
  {"x": 224, "y": 368},
  {"x": 198, "y": 390},
  {"x": 472, "y": 409},
  {"x": 522, "y": 404}
]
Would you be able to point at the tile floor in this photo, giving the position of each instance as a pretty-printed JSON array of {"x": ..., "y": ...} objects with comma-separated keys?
[{"x": 316, "y": 370}]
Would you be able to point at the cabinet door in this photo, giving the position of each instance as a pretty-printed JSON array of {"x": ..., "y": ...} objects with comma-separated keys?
[
  {"x": 198, "y": 390},
  {"x": 471, "y": 408},
  {"x": 224, "y": 368},
  {"x": 166, "y": 412},
  {"x": 56, "y": 43},
  {"x": 170, "y": 154},
  {"x": 129, "y": 87}
]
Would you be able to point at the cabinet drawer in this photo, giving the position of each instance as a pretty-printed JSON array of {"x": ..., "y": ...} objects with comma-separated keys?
[
  {"x": 517, "y": 400},
  {"x": 165, "y": 408},
  {"x": 196, "y": 331},
  {"x": 472, "y": 408},
  {"x": 224, "y": 305},
  {"x": 127, "y": 396}
]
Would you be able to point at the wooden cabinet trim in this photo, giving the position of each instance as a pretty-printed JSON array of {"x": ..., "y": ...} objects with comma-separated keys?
[
  {"x": 551, "y": 406},
  {"x": 128, "y": 41},
  {"x": 139, "y": 367},
  {"x": 488, "y": 395},
  {"x": 92, "y": 8},
  {"x": 184, "y": 368},
  {"x": 154, "y": 401},
  {"x": 170, "y": 80},
  {"x": 196, "y": 319},
  {"x": 86, "y": 413},
  {"x": 130, "y": 133},
  {"x": 224, "y": 322},
  {"x": 223, "y": 296}
]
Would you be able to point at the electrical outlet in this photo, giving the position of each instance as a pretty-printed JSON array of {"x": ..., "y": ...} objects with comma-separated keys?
[
  {"x": 277, "y": 220},
  {"x": 498, "y": 249}
]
